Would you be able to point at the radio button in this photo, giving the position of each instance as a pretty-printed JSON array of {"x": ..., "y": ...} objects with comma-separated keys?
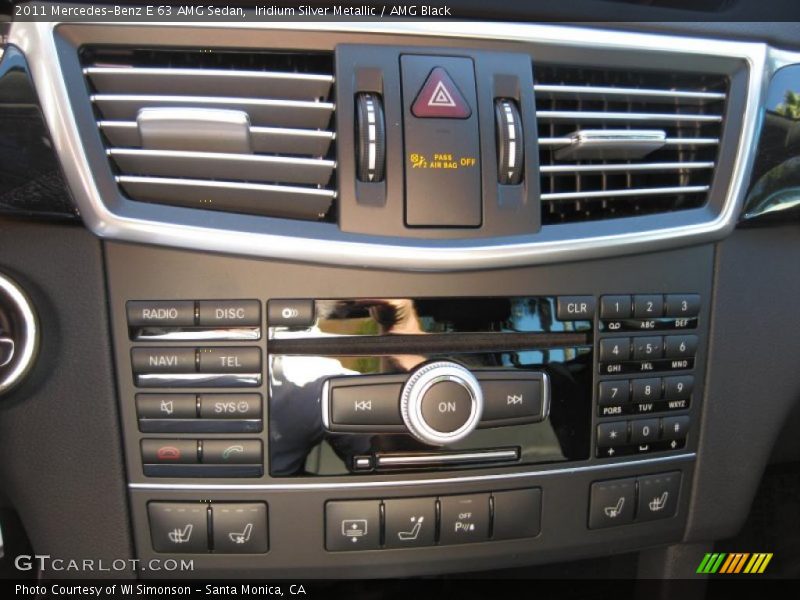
[
  {"x": 612, "y": 434},
  {"x": 374, "y": 404},
  {"x": 681, "y": 346},
  {"x": 614, "y": 392},
  {"x": 229, "y": 313},
  {"x": 616, "y": 307},
  {"x": 574, "y": 308},
  {"x": 647, "y": 348},
  {"x": 682, "y": 305},
  {"x": 678, "y": 388},
  {"x": 160, "y": 313},
  {"x": 163, "y": 360},
  {"x": 646, "y": 390},
  {"x": 648, "y": 306},
  {"x": 230, "y": 360},
  {"x": 521, "y": 399},
  {"x": 644, "y": 431},
  {"x": 290, "y": 313},
  {"x": 464, "y": 519},
  {"x": 615, "y": 349}
]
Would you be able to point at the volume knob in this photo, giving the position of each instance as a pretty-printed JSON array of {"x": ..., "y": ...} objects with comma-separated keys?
[{"x": 441, "y": 403}]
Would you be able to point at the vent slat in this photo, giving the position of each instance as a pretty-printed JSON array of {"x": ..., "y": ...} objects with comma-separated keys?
[
  {"x": 209, "y": 82},
  {"x": 210, "y": 165},
  {"x": 237, "y": 131},
  {"x": 283, "y": 113},
  {"x": 577, "y": 115},
  {"x": 260, "y": 199},
  {"x": 620, "y": 143},
  {"x": 613, "y": 167},
  {"x": 627, "y": 92},
  {"x": 269, "y": 140},
  {"x": 630, "y": 192}
]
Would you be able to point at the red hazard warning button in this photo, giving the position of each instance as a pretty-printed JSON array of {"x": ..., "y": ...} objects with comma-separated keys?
[{"x": 440, "y": 98}]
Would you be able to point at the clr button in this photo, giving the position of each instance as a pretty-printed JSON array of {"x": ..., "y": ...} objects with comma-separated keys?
[{"x": 573, "y": 308}]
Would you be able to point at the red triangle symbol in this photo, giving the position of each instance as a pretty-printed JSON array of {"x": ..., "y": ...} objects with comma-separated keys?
[{"x": 440, "y": 98}]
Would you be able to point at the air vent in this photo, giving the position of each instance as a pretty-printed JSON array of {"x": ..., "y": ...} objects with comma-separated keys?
[
  {"x": 625, "y": 143},
  {"x": 243, "y": 132}
]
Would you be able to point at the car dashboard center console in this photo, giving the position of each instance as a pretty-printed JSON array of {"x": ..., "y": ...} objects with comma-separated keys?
[
  {"x": 468, "y": 427},
  {"x": 393, "y": 299}
]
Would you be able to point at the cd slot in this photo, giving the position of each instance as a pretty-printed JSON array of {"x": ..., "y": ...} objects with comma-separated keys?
[{"x": 426, "y": 343}]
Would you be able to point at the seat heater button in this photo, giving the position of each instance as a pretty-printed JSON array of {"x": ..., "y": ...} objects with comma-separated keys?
[{"x": 179, "y": 526}]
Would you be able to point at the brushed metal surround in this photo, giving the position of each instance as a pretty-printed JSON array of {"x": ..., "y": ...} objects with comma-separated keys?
[
  {"x": 420, "y": 382},
  {"x": 421, "y": 481},
  {"x": 37, "y": 42},
  {"x": 29, "y": 345}
]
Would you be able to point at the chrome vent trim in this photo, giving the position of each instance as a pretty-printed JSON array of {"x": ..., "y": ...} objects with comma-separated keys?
[
  {"x": 585, "y": 177},
  {"x": 51, "y": 46},
  {"x": 275, "y": 160}
]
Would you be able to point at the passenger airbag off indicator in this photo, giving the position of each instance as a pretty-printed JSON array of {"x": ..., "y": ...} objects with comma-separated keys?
[
  {"x": 442, "y": 142},
  {"x": 440, "y": 98}
]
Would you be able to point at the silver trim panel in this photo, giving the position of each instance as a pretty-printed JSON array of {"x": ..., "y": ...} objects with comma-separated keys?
[
  {"x": 656, "y": 166},
  {"x": 121, "y": 221},
  {"x": 457, "y": 458},
  {"x": 30, "y": 343},
  {"x": 198, "y": 380},
  {"x": 689, "y": 189},
  {"x": 585, "y": 90},
  {"x": 584, "y": 115},
  {"x": 645, "y": 462}
]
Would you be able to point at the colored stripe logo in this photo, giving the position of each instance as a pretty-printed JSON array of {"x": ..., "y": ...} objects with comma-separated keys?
[{"x": 731, "y": 563}]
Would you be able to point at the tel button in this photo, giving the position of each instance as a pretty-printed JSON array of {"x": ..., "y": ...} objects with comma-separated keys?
[
  {"x": 230, "y": 360},
  {"x": 573, "y": 308}
]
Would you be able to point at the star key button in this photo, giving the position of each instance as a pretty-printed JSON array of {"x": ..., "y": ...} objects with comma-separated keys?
[{"x": 612, "y": 434}]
